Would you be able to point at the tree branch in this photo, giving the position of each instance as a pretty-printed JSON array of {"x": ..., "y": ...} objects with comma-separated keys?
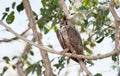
[
  {"x": 112, "y": 10},
  {"x": 117, "y": 22},
  {"x": 64, "y": 7},
  {"x": 114, "y": 52},
  {"x": 66, "y": 12},
  {"x": 15, "y": 38},
  {"x": 26, "y": 50},
  {"x": 44, "y": 54}
]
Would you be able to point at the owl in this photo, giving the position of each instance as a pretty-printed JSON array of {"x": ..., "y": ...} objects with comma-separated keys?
[{"x": 69, "y": 38}]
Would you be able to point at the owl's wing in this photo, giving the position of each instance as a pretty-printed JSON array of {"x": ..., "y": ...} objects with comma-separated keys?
[
  {"x": 61, "y": 39},
  {"x": 74, "y": 39}
]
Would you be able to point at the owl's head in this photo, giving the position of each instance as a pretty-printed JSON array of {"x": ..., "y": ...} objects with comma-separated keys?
[{"x": 65, "y": 21}]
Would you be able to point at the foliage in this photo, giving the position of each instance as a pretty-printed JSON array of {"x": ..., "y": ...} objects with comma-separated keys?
[
  {"x": 4, "y": 70},
  {"x": 36, "y": 67},
  {"x": 93, "y": 20},
  {"x": 61, "y": 63},
  {"x": 98, "y": 74}
]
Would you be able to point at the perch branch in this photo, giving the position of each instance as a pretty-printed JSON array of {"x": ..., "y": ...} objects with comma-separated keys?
[{"x": 44, "y": 54}]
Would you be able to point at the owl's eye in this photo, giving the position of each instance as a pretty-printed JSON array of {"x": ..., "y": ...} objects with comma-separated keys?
[{"x": 66, "y": 23}]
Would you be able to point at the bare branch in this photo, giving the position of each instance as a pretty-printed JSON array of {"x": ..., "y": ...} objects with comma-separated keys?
[
  {"x": 15, "y": 38},
  {"x": 19, "y": 63},
  {"x": 83, "y": 66},
  {"x": 44, "y": 54},
  {"x": 114, "y": 52},
  {"x": 64, "y": 7},
  {"x": 117, "y": 22},
  {"x": 112, "y": 10},
  {"x": 19, "y": 70}
]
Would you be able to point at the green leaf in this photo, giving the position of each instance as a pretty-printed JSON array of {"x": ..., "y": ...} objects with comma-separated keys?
[
  {"x": 100, "y": 40},
  {"x": 43, "y": 10},
  {"x": 10, "y": 18},
  {"x": 87, "y": 3},
  {"x": 114, "y": 58},
  {"x": 4, "y": 15},
  {"x": 31, "y": 53},
  {"x": 98, "y": 74},
  {"x": 20, "y": 7},
  {"x": 62, "y": 59},
  {"x": 6, "y": 59},
  {"x": 44, "y": 3},
  {"x": 90, "y": 62},
  {"x": 5, "y": 69},
  {"x": 50, "y": 46},
  {"x": 55, "y": 28},
  {"x": 61, "y": 63},
  {"x": 36, "y": 16},
  {"x": 25, "y": 57},
  {"x": 92, "y": 44},
  {"x": 39, "y": 70},
  {"x": 46, "y": 30},
  {"x": 88, "y": 50},
  {"x": 14, "y": 57},
  {"x": 68, "y": 60},
  {"x": 14, "y": 66},
  {"x": 40, "y": 25},
  {"x": 1, "y": 74},
  {"x": 7, "y": 9},
  {"x": 99, "y": 33},
  {"x": 97, "y": 23},
  {"x": 82, "y": 8},
  {"x": 106, "y": 12},
  {"x": 13, "y": 5},
  {"x": 95, "y": 1},
  {"x": 57, "y": 65},
  {"x": 113, "y": 36},
  {"x": 34, "y": 68},
  {"x": 54, "y": 22},
  {"x": 31, "y": 68}
]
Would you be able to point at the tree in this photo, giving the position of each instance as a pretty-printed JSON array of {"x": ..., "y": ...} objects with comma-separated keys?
[{"x": 91, "y": 16}]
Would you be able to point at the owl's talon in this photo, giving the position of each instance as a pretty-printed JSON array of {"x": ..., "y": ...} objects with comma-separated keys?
[{"x": 73, "y": 54}]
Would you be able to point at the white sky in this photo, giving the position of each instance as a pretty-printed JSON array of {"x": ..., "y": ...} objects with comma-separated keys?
[{"x": 15, "y": 48}]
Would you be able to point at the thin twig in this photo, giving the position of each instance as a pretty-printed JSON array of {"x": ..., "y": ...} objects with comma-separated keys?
[{"x": 15, "y": 38}]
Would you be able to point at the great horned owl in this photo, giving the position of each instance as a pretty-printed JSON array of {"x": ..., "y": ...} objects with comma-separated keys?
[{"x": 69, "y": 38}]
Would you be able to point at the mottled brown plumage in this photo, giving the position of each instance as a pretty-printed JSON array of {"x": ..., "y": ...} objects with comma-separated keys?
[{"x": 69, "y": 38}]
